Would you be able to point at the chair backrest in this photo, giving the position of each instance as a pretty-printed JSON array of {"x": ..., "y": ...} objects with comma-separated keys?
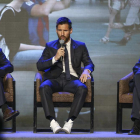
[
  {"x": 124, "y": 83},
  {"x": 123, "y": 93}
]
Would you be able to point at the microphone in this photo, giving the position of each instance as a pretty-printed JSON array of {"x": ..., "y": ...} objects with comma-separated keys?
[{"x": 61, "y": 43}]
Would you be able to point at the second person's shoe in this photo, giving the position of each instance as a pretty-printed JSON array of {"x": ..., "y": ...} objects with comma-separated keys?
[
  {"x": 9, "y": 113},
  {"x": 135, "y": 129}
]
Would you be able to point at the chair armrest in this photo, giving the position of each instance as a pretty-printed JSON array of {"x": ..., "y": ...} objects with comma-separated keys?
[
  {"x": 124, "y": 83},
  {"x": 38, "y": 77},
  {"x": 88, "y": 84},
  {"x": 37, "y": 82}
]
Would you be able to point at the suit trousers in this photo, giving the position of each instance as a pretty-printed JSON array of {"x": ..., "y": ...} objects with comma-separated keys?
[
  {"x": 136, "y": 98},
  {"x": 2, "y": 96},
  {"x": 60, "y": 84}
]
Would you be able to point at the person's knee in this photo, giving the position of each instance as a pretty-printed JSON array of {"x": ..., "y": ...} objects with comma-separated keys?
[
  {"x": 114, "y": 12},
  {"x": 137, "y": 74},
  {"x": 83, "y": 89},
  {"x": 43, "y": 89},
  {"x": 137, "y": 77}
]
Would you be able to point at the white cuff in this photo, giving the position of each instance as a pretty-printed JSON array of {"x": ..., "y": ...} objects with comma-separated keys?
[{"x": 53, "y": 60}]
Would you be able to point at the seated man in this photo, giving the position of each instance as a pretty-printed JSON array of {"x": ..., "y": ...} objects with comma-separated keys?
[
  {"x": 61, "y": 61},
  {"x": 5, "y": 67},
  {"x": 135, "y": 86}
]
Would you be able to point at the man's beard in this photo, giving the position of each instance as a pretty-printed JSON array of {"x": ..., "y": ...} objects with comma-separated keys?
[{"x": 65, "y": 40}]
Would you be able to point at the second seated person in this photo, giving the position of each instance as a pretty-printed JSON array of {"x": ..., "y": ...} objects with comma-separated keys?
[{"x": 62, "y": 66}]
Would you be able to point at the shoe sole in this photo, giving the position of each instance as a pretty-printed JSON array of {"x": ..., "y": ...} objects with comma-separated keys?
[
  {"x": 14, "y": 115},
  {"x": 65, "y": 131},
  {"x": 57, "y": 131}
]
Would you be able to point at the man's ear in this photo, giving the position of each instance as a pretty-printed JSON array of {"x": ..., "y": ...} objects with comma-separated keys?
[{"x": 71, "y": 31}]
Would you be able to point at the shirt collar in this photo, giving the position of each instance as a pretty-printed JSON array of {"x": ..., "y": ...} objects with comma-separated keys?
[{"x": 68, "y": 43}]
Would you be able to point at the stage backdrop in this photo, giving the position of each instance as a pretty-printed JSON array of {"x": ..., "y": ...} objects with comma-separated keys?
[{"x": 112, "y": 62}]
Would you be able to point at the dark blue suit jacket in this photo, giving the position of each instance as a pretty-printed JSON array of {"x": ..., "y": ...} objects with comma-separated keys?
[
  {"x": 5, "y": 65},
  {"x": 136, "y": 70},
  {"x": 79, "y": 53}
]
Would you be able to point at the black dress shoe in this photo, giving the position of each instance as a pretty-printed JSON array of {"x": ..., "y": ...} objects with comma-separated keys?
[{"x": 135, "y": 130}]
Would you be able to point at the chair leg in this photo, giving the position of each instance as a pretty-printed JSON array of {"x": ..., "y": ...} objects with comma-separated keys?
[
  {"x": 35, "y": 111},
  {"x": 14, "y": 107},
  {"x": 35, "y": 116},
  {"x": 91, "y": 119},
  {"x": 92, "y": 109},
  {"x": 14, "y": 124},
  {"x": 119, "y": 119},
  {"x": 35, "y": 120}
]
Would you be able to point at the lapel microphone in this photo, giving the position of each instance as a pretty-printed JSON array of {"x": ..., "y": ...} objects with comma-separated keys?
[{"x": 62, "y": 45}]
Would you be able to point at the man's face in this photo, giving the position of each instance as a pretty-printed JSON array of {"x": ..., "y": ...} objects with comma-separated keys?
[{"x": 64, "y": 32}]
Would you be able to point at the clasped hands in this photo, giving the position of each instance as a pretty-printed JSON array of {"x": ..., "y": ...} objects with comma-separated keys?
[{"x": 86, "y": 73}]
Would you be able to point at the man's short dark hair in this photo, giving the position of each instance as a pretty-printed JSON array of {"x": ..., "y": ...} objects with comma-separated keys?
[{"x": 64, "y": 20}]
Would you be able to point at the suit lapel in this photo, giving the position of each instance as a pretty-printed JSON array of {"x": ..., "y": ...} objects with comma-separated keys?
[
  {"x": 73, "y": 45},
  {"x": 57, "y": 45}
]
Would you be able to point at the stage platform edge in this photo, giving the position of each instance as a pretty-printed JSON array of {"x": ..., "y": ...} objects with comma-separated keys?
[{"x": 98, "y": 135}]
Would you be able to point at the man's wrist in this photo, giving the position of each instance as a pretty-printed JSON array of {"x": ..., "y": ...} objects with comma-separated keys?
[
  {"x": 87, "y": 70},
  {"x": 55, "y": 58}
]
